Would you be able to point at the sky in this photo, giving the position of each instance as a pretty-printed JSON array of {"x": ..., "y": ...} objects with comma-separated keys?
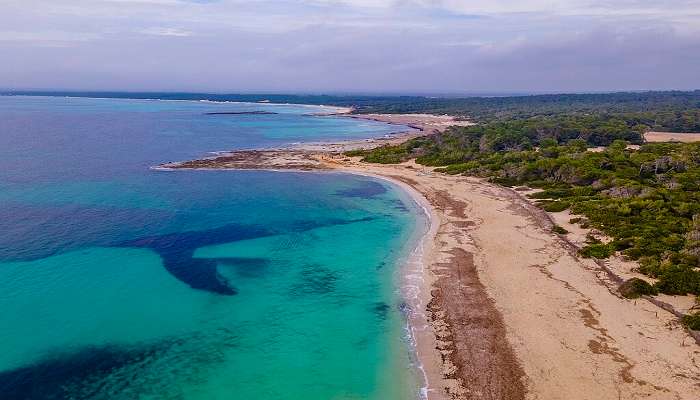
[{"x": 346, "y": 46}]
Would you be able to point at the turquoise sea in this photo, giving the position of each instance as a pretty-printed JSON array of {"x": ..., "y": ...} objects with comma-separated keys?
[{"x": 121, "y": 282}]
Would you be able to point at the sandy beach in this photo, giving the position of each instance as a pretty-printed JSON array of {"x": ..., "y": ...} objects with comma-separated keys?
[{"x": 505, "y": 307}]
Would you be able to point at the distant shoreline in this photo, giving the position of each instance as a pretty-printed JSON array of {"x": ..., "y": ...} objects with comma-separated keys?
[{"x": 332, "y": 110}]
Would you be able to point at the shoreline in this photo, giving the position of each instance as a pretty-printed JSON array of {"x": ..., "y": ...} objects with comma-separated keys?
[
  {"x": 505, "y": 300},
  {"x": 430, "y": 324},
  {"x": 414, "y": 287}
]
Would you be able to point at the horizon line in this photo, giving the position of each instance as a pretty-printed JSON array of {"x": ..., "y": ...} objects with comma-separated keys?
[{"x": 437, "y": 95}]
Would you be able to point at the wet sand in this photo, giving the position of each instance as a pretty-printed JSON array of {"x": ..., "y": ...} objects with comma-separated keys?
[{"x": 506, "y": 309}]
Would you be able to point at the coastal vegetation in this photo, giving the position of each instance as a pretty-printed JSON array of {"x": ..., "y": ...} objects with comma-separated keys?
[
  {"x": 635, "y": 288},
  {"x": 692, "y": 321},
  {"x": 643, "y": 197}
]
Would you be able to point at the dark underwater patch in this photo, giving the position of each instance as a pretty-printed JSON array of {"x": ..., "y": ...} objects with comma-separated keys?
[
  {"x": 33, "y": 232},
  {"x": 399, "y": 205},
  {"x": 177, "y": 250},
  {"x": 59, "y": 229},
  {"x": 365, "y": 190},
  {"x": 315, "y": 279},
  {"x": 197, "y": 273},
  {"x": 117, "y": 372},
  {"x": 66, "y": 376},
  {"x": 381, "y": 310},
  {"x": 246, "y": 267}
]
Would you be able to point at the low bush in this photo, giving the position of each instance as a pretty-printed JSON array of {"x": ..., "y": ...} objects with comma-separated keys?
[
  {"x": 679, "y": 280},
  {"x": 692, "y": 321},
  {"x": 597, "y": 250},
  {"x": 554, "y": 206},
  {"x": 635, "y": 288},
  {"x": 559, "y": 229}
]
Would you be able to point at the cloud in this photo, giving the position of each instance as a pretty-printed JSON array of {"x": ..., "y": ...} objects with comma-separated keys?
[
  {"x": 162, "y": 31},
  {"x": 363, "y": 45}
]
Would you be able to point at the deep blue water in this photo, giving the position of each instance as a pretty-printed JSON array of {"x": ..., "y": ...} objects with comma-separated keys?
[{"x": 118, "y": 281}]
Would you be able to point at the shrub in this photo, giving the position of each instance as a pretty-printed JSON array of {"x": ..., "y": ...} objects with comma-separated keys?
[
  {"x": 550, "y": 194},
  {"x": 635, "y": 288},
  {"x": 592, "y": 239},
  {"x": 355, "y": 153},
  {"x": 679, "y": 280},
  {"x": 560, "y": 230},
  {"x": 383, "y": 155},
  {"x": 460, "y": 168},
  {"x": 692, "y": 321},
  {"x": 554, "y": 206},
  {"x": 596, "y": 250},
  {"x": 650, "y": 266},
  {"x": 622, "y": 244},
  {"x": 506, "y": 181}
]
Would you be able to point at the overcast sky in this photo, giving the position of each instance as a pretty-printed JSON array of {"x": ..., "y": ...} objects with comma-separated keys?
[{"x": 427, "y": 46}]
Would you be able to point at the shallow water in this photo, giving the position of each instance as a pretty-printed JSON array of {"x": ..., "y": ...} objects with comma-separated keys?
[{"x": 121, "y": 282}]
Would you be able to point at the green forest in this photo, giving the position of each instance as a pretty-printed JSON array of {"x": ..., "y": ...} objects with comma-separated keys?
[{"x": 646, "y": 199}]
